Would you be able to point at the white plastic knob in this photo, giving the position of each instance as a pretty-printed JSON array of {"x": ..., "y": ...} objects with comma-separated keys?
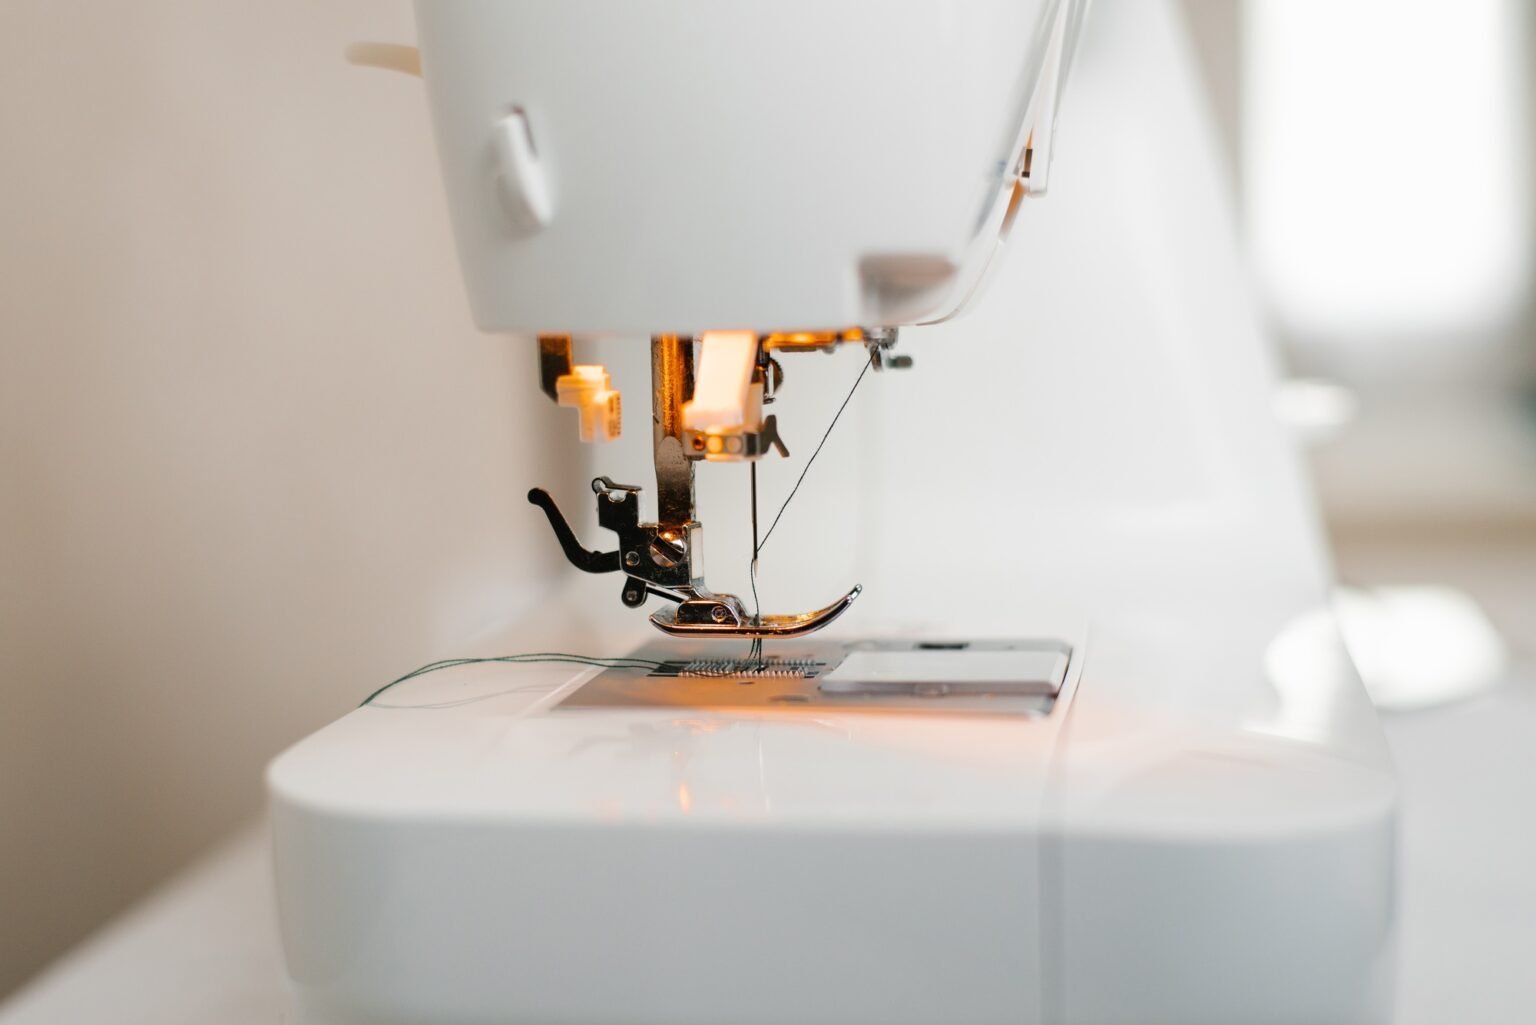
[
  {"x": 521, "y": 180},
  {"x": 587, "y": 390}
]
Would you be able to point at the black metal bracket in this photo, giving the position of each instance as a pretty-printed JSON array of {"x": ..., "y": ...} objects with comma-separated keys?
[
  {"x": 654, "y": 561},
  {"x": 554, "y": 362},
  {"x": 583, "y": 559}
]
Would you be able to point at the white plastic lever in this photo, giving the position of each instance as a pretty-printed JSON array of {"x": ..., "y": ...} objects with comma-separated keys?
[
  {"x": 520, "y": 177},
  {"x": 723, "y": 381},
  {"x": 588, "y": 390},
  {"x": 1034, "y": 166}
]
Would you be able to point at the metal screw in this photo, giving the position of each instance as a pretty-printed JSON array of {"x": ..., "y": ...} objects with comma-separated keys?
[
  {"x": 631, "y": 559},
  {"x": 719, "y": 614}
]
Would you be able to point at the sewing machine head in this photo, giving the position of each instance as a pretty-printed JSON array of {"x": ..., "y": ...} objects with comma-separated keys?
[{"x": 739, "y": 182}]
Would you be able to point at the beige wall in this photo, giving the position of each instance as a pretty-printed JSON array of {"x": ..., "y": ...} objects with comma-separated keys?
[{"x": 254, "y": 459}]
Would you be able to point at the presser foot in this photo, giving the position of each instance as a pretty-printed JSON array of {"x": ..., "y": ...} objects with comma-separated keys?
[
  {"x": 721, "y": 617},
  {"x": 658, "y": 561}
]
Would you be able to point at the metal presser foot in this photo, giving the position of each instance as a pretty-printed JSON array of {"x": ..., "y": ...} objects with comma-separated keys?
[
  {"x": 658, "y": 560},
  {"x": 672, "y": 620}
]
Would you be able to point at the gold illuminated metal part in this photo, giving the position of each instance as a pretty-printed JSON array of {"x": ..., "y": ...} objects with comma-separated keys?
[
  {"x": 810, "y": 341},
  {"x": 671, "y": 386}
]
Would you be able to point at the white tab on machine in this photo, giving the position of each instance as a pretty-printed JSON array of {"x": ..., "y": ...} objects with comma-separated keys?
[{"x": 930, "y": 669}]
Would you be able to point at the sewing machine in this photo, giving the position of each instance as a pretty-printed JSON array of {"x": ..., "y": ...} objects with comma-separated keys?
[{"x": 1086, "y": 748}]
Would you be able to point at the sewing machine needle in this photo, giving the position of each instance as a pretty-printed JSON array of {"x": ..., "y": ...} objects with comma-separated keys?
[{"x": 757, "y": 643}]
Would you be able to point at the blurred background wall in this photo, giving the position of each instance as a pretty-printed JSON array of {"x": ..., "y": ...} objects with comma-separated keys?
[
  {"x": 1386, "y": 160},
  {"x": 1383, "y": 153},
  {"x": 254, "y": 458}
]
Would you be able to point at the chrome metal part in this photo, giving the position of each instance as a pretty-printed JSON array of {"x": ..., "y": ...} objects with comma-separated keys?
[
  {"x": 879, "y": 341},
  {"x": 665, "y": 559},
  {"x": 671, "y": 386},
  {"x": 675, "y": 621},
  {"x": 745, "y": 445}
]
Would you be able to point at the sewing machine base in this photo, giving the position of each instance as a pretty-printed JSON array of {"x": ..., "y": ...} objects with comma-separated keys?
[{"x": 535, "y": 844}]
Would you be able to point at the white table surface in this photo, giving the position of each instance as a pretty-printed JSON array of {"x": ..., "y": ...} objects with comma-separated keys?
[{"x": 204, "y": 951}]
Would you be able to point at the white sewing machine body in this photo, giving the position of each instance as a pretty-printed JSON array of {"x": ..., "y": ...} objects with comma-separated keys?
[
  {"x": 487, "y": 857},
  {"x": 1197, "y": 827},
  {"x": 700, "y": 165}
]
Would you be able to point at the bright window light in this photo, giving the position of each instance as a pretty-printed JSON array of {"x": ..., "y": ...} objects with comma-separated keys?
[
  {"x": 1417, "y": 647},
  {"x": 1384, "y": 143}
]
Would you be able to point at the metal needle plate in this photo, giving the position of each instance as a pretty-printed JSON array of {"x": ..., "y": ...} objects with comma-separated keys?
[{"x": 937, "y": 678}]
